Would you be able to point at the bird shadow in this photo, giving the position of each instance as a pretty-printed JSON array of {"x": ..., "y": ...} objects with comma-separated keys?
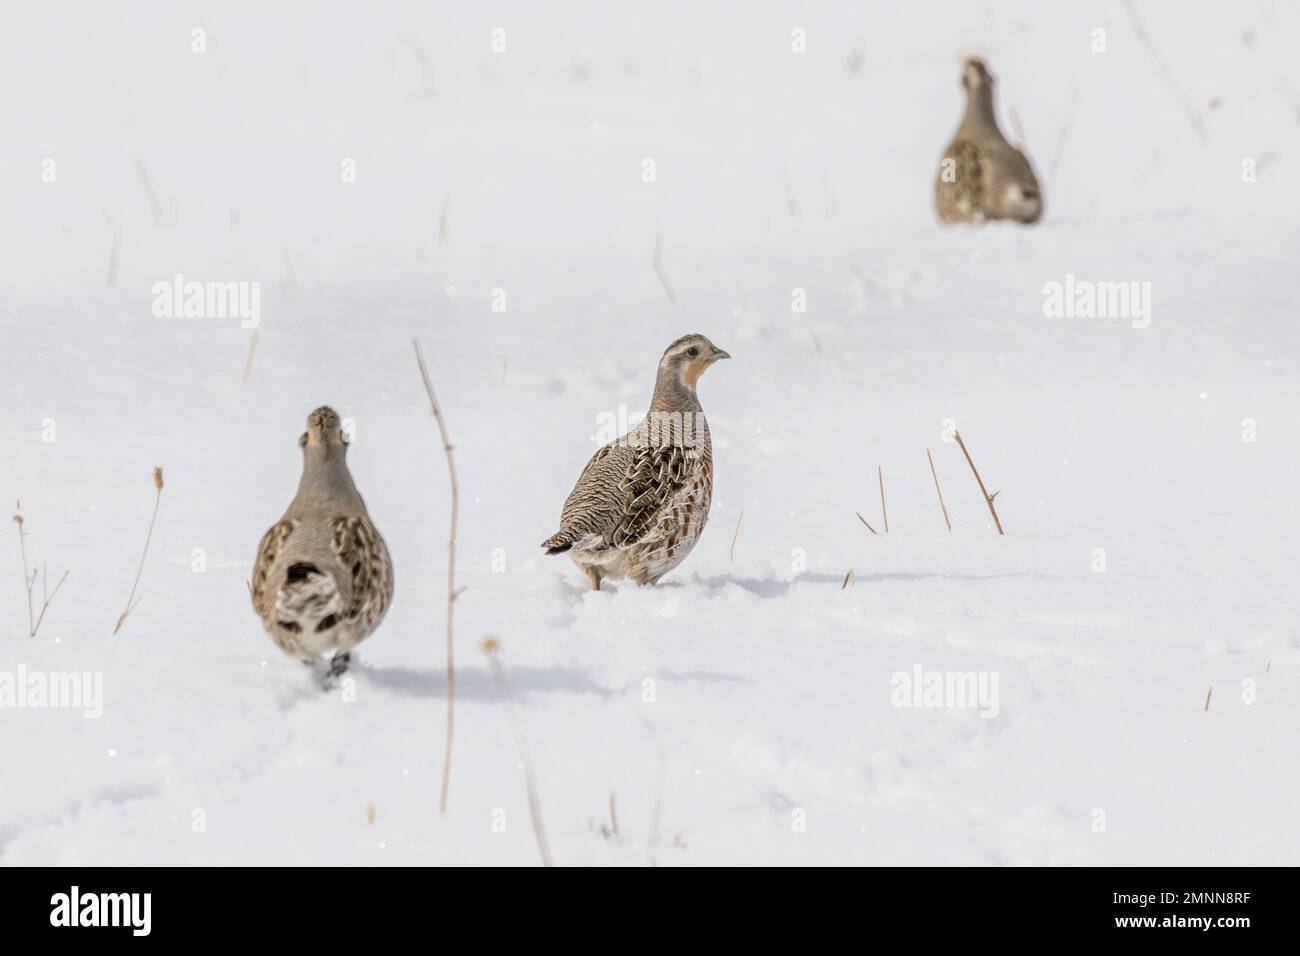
[
  {"x": 762, "y": 587},
  {"x": 477, "y": 683},
  {"x": 773, "y": 587},
  {"x": 473, "y": 683}
]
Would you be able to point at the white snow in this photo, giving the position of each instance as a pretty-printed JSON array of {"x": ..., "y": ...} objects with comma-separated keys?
[{"x": 750, "y": 698}]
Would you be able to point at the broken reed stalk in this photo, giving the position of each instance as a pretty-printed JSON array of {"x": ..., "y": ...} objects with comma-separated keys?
[
  {"x": 864, "y": 521},
  {"x": 131, "y": 599},
  {"x": 988, "y": 498},
  {"x": 422, "y": 59},
  {"x": 736, "y": 535},
  {"x": 1018, "y": 130},
  {"x": 286, "y": 268},
  {"x": 1208, "y": 694},
  {"x": 1193, "y": 116},
  {"x": 658, "y": 264},
  {"x": 883, "y": 511},
  {"x": 791, "y": 200},
  {"x": 656, "y": 812},
  {"x": 29, "y": 582},
  {"x": 848, "y": 576},
  {"x": 46, "y": 598},
  {"x": 452, "y": 593},
  {"x": 613, "y": 815},
  {"x": 491, "y": 648},
  {"x": 248, "y": 360},
  {"x": 155, "y": 207},
  {"x": 937, "y": 488}
]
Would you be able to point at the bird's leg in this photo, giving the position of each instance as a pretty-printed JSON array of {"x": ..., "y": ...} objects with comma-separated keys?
[
  {"x": 593, "y": 575},
  {"x": 338, "y": 665}
]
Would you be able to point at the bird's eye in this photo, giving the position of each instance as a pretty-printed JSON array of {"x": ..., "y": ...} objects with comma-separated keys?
[{"x": 693, "y": 351}]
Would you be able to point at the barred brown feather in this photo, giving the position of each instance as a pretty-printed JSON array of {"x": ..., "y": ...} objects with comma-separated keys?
[
  {"x": 642, "y": 501},
  {"x": 323, "y": 580}
]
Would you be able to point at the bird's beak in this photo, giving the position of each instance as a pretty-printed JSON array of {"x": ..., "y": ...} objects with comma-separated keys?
[{"x": 720, "y": 354}]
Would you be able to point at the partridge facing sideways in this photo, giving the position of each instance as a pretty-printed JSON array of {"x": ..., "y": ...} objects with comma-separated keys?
[
  {"x": 323, "y": 578},
  {"x": 981, "y": 175},
  {"x": 642, "y": 501}
]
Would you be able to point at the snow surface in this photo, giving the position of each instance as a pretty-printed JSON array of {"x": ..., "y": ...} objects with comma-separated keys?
[{"x": 771, "y": 736}]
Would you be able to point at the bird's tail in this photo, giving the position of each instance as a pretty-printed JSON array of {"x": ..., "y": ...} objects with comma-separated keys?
[
  {"x": 308, "y": 601},
  {"x": 559, "y": 542}
]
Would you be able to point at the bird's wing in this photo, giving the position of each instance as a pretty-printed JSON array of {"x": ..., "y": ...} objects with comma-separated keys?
[
  {"x": 593, "y": 506},
  {"x": 654, "y": 477},
  {"x": 621, "y": 491},
  {"x": 268, "y": 555},
  {"x": 971, "y": 168},
  {"x": 364, "y": 565}
]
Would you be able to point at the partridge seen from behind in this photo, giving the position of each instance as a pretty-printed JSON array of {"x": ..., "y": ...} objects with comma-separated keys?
[
  {"x": 982, "y": 176},
  {"x": 323, "y": 578},
  {"x": 642, "y": 501}
]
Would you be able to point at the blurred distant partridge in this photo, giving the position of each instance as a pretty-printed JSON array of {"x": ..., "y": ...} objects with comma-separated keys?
[
  {"x": 981, "y": 175},
  {"x": 323, "y": 579},
  {"x": 642, "y": 501}
]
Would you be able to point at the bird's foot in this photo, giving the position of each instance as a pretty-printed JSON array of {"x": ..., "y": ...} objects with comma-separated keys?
[{"x": 339, "y": 664}]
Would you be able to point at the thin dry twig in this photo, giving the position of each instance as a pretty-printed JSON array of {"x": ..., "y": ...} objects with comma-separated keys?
[
  {"x": 736, "y": 535},
  {"x": 613, "y": 815},
  {"x": 248, "y": 360},
  {"x": 155, "y": 207},
  {"x": 791, "y": 200},
  {"x": 938, "y": 489},
  {"x": 1017, "y": 130},
  {"x": 492, "y": 647},
  {"x": 848, "y": 576},
  {"x": 656, "y": 812},
  {"x": 1208, "y": 694},
  {"x": 423, "y": 61},
  {"x": 1193, "y": 115},
  {"x": 286, "y": 268},
  {"x": 864, "y": 521},
  {"x": 29, "y": 581},
  {"x": 883, "y": 511},
  {"x": 46, "y": 598},
  {"x": 988, "y": 498},
  {"x": 658, "y": 264},
  {"x": 131, "y": 599},
  {"x": 452, "y": 593}
]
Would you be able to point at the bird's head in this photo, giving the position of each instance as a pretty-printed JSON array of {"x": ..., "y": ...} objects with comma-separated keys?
[
  {"x": 324, "y": 434},
  {"x": 975, "y": 75},
  {"x": 688, "y": 357}
]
